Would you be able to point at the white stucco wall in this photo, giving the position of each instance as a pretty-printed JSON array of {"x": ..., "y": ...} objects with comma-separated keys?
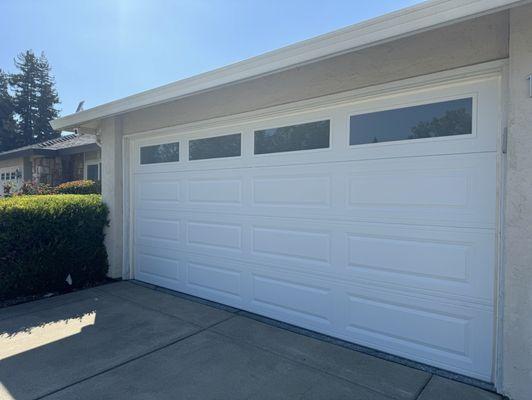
[
  {"x": 517, "y": 310},
  {"x": 111, "y": 155}
]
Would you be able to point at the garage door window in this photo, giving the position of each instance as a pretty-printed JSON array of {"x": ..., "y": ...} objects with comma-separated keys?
[
  {"x": 161, "y": 153},
  {"x": 446, "y": 118},
  {"x": 313, "y": 135},
  {"x": 215, "y": 147}
]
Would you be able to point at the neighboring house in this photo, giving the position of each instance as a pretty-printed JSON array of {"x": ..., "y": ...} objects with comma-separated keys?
[
  {"x": 67, "y": 158},
  {"x": 373, "y": 184}
]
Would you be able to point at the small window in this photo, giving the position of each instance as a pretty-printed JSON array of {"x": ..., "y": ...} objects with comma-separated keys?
[
  {"x": 313, "y": 135},
  {"x": 93, "y": 172},
  {"x": 13, "y": 176},
  {"x": 3, "y": 176},
  {"x": 215, "y": 147},
  {"x": 160, "y": 153},
  {"x": 446, "y": 118}
]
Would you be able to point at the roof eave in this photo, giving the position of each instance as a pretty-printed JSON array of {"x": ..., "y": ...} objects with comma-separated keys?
[
  {"x": 25, "y": 153},
  {"x": 408, "y": 21}
]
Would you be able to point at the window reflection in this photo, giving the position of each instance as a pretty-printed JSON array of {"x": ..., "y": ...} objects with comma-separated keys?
[{"x": 446, "y": 118}]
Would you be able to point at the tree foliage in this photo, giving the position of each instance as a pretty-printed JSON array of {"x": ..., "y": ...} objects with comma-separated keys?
[
  {"x": 7, "y": 114},
  {"x": 28, "y": 101},
  {"x": 454, "y": 122}
]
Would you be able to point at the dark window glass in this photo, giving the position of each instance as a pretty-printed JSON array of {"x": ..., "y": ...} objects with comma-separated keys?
[
  {"x": 446, "y": 118},
  {"x": 214, "y": 147},
  {"x": 160, "y": 153},
  {"x": 314, "y": 135},
  {"x": 92, "y": 172}
]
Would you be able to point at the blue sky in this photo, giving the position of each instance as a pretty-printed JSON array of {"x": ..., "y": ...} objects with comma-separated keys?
[{"x": 102, "y": 50}]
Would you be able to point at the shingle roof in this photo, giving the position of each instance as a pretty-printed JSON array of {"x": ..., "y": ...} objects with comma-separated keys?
[
  {"x": 60, "y": 143},
  {"x": 67, "y": 141}
]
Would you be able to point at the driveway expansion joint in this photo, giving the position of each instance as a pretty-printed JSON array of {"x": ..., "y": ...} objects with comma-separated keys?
[{"x": 140, "y": 356}]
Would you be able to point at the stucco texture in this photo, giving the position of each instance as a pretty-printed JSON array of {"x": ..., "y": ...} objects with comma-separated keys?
[
  {"x": 517, "y": 331},
  {"x": 472, "y": 42}
]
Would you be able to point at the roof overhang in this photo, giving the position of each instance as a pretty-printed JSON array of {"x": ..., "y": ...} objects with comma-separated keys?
[
  {"x": 405, "y": 22},
  {"x": 78, "y": 149},
  {"x": 26, "y": 153}
]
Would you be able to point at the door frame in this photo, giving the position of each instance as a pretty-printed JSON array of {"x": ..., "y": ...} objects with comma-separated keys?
[{"x": 498, "y": 68}]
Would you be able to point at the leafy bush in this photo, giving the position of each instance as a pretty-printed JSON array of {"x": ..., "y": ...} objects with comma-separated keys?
[
  {"x": 44, "y": 239},
  {"x": 32, "y": 188},
  {"x": 79, "y": 187}
]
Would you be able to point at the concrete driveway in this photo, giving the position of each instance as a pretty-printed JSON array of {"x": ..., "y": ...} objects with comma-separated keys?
[{"x": 126, "y": 341}]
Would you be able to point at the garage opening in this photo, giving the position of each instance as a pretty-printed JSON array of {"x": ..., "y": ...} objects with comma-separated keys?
[{"x": 370, "y": 220}]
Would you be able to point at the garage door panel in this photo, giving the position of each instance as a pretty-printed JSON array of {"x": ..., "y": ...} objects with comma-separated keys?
[
  {"x": 445, "y": 332},
  {"x": 214, "y": 235},
  {"x": 446, "y": 191},
  {"x": 156, "y": 193},
  {"x": 215, "y": 192},
  {"x": 158, "y": 266},
  {"x": 439, "y": 333},
  {"x": 292, "y": 191},
  {"x": 158, "y": 230},
  {"x": 290, "y": 300},
  {"x": 390, "y": 245},
  {"x": 299, "y": 245},
  {"x": 444, "y": 261},
  {"x": 214, "y": 280}
]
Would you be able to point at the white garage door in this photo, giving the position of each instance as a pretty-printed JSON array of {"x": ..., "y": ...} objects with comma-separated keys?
[{"x": 372, "y": 221}]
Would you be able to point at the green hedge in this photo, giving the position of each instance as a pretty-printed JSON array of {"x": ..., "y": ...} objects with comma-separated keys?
[
  {"x": 73, "y": 187},
  {"x": 79, "y": 187},
  {"x": 43, "y": 239}
]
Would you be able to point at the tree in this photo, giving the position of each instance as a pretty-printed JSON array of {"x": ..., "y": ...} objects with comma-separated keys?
[
  {"x": 47, "y": 101},
  {"x": 8, "y": 128},
  {"x": 454, "y": 122},
  {"x": 34, "y": 98}
]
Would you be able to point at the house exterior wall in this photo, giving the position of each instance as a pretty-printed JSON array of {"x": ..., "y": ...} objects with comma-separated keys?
[
  {"x": 17, "y": 163},
  {"x": 48, "y": 170},
  {"x": 12, "y": 162},
  {"x": 112, "y": 182},
  {"x": 27, "y": 173},
  {"x": 471, "y": 42},
  {"x": 517, "y": 233}
]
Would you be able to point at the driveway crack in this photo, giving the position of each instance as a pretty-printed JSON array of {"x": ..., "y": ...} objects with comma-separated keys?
[{"x": 140, "y": 356}]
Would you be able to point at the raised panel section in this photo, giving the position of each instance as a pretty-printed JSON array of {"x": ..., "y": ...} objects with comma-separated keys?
[
  {"x": 159, "y": 191},
  {"x": 409, "y": 189},
  {"x": 292, "y": 191},
  {"x": 214, "y": 279},
  {"x": 416, "y": 326},
  {"x": 215, "y": 191},
  {"x": 157, "y": 265},
  {"x": 299, "y": 245},
  {"x": 158, "y": 229},
  {"x": 291, "y": 299},
  {"x": 222, "y": 236},
  {"x": 439, "y": 260}
]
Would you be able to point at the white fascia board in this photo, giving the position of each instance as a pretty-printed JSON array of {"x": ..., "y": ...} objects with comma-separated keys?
[{"x": 397, "y": 24}]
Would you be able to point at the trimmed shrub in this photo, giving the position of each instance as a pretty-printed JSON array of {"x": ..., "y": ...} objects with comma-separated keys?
[
  {"x": 79, "y": 187},
  {"x": 44, "y": 239},
  {"x": 32, "y": 188}
]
